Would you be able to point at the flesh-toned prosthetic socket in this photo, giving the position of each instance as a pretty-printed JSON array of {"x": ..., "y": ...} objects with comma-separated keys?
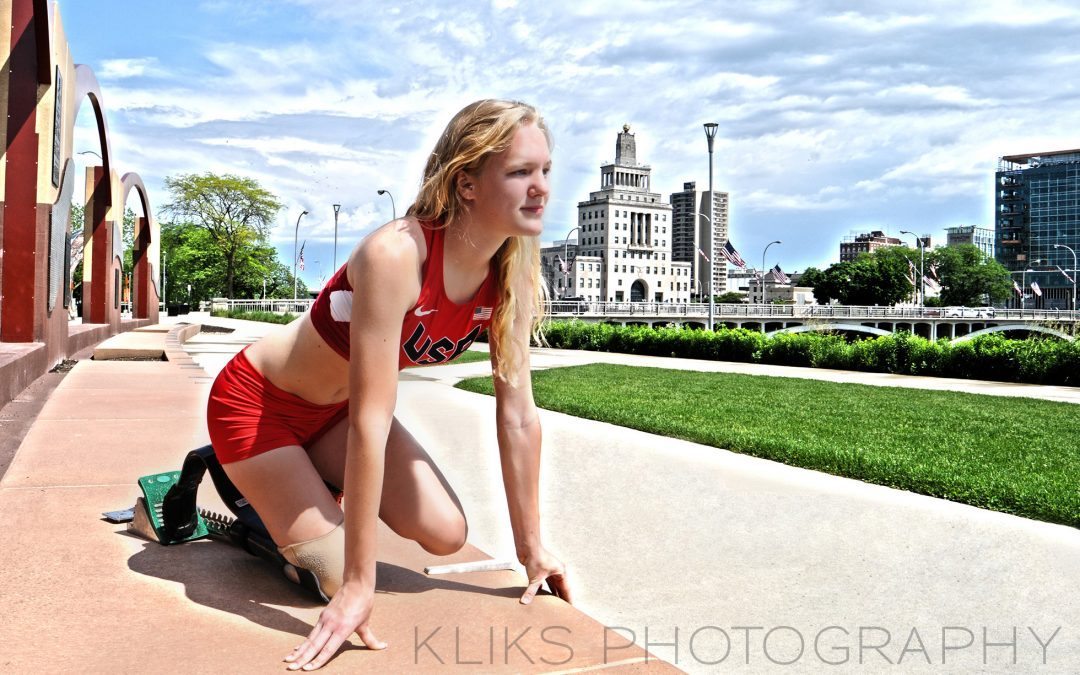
[{"x": 323, "y": 556}]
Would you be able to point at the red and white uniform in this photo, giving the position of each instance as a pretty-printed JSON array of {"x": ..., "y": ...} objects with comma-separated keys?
[
  {"x": 247, "y": 415},
  {"x": 435, "y": 330}
]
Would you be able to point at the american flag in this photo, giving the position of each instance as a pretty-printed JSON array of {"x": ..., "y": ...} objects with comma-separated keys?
[
  {"x": 912, "y": 272},
  {"x": 703, "y": 255},
  {"x": 481, "y": 314},
  {"x": 933, "y": 270},
  {"x": 1016, "y": 287},
  {"x": 300, "y": 259},
  {"x": 1065, "y": 274},
  {"x": 934, "y": 286},
  {"x": 731, "y": 255},
  {"x": 779, "y": 275},
  {"x": 1035, "y": 288}
]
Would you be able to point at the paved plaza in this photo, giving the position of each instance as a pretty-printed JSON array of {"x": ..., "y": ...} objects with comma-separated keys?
[{"x": 710, "y": 560}]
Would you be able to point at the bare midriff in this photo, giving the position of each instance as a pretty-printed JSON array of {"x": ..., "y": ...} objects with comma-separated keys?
[{"x": 299, "y": 361}]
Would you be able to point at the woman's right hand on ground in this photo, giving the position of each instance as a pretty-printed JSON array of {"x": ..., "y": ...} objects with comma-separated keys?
[{"x": 349, "y": 610}]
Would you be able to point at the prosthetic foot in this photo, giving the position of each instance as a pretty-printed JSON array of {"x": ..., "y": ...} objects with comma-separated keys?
[{"x": 167, "y": 513}]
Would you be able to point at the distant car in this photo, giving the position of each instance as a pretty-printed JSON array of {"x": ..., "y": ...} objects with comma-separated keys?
[{"x": 968, "y": 312}]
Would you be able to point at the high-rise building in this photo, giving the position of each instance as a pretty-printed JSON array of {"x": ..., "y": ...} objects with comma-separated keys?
[
  {"x": 690, "y": 234},
  {"x": 623, "y": 250},
  {"x": 1037, "y": 205},
  {"x": 851, "y": 247},
  {"x": 981, "y": 237}
]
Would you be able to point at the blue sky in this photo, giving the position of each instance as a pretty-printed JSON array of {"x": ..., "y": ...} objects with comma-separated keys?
[{"x": 835, "y": 117}]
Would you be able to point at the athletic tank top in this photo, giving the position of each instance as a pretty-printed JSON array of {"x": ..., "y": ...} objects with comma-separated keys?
[{"x": 435, "y": 330}]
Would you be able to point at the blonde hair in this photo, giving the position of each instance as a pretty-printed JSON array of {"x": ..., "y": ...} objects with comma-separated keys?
[{"x": 478, "y": 131}]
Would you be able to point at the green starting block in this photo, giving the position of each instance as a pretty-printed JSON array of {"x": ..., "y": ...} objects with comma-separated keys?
[{"x": 154, "y": 488}]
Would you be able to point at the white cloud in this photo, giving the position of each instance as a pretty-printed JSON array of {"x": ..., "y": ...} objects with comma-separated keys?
[
  {"x": 117, "y": 69},
  {"x": 832, "y": 120}
]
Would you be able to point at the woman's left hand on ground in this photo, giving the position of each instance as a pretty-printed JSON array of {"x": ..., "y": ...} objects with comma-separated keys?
[{"x": 541, "y": 566}]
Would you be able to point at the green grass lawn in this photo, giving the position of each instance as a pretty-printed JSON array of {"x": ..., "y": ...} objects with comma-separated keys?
[
  {"x": 1016, "y": 455},
  {"x": 469, "y": 356}
]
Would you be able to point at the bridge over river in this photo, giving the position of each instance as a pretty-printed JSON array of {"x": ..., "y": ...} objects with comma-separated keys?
[{"x": 954, "y": 323}]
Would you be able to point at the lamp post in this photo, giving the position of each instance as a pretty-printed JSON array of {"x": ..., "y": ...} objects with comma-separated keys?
[
  {"x": 566, "y": 259},
  {"x": 296, "y": 231},
  {"x": 777, "y": 241},
  {"x": 710, "y": 135},
  {"x": 337, "y": 207},
  {"x": 1070, "y": 249},
  {"x": 393, "y": 208},
  {"x": 922, "y": 275},
  {"x": 1024, "y": 287}
]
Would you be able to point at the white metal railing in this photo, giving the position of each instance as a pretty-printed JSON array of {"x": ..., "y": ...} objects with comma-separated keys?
[
  {"x": 298, "y": 306},
  {"x": 723, "y": 312},
  {"x": 578, "y": 308}
]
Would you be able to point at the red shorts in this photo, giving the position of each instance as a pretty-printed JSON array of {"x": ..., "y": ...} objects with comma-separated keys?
[{"x": 247, "y": 415}]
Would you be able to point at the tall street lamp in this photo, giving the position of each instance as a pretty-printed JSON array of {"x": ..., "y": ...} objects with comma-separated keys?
[
  {"x": 337, "y": 207},
  {"x": 1024, "y": 286},
  {"x": 777, "y": 241},
  {"x": 922, "y": 275},
  {"x": 393, "y": 208},
  {"x": 296, "y": 231},
  {"x": 710, "y": 135},
  {"x": 566, "y": 260},
  {"x": 1074, "y": 271}
]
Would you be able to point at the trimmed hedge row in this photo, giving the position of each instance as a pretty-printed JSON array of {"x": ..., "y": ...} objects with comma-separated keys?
[
  {"x": 265, "y": 317},
  {"x": 988, "y": 357}
]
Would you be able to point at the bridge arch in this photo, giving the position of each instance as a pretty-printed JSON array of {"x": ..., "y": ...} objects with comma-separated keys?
[
  {"x": 1001, "y": 329},
  {"x": 852, "y": 327}
]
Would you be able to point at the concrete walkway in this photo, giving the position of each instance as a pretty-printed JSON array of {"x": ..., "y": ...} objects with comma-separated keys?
[{"x": 711, "y": 560}]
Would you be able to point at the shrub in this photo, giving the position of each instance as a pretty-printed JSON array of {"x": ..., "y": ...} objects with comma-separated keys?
[{"x": 989, "y": 357}]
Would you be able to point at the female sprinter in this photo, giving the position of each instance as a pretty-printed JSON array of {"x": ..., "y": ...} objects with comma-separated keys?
[{"x": 313, "y": 404}]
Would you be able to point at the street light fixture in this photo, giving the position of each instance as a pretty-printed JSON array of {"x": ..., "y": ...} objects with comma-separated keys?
[
  {"x": 393, "y": 208},
  {"x": 566, "y": 260},
  {"x": 295, "y": 258},
  {"x": 710, "y": 135},
  {"x": 337, "y": 207},
  {"x": 777, "y": 241},
  {"x": 1023, "y": 283},
  {"x": 1074, "y": 271},
  {"x": 922, "y": 275}
]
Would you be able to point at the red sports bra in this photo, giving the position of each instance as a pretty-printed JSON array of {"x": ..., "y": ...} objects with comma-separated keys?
[{"x": 435, "y": 330}]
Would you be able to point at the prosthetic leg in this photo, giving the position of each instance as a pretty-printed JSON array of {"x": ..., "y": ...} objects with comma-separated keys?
[{"x": 167, "y": 513}]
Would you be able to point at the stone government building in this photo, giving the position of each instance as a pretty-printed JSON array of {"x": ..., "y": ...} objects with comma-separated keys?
[{"x": 628, "y": 238}]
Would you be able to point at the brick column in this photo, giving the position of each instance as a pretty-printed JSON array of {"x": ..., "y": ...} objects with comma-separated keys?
[{"x": 20, "y": 318}]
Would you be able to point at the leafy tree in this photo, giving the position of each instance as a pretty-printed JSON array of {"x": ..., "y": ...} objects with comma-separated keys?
[
  {"x": 878, "y": 278},
  {"x": 968, "y": 276},
  {"x": 811, "y": 277},
  {"x": 236, "y": 213},
  {"x": 191, "y": 257},
  {"x": 730, "y": 298}
]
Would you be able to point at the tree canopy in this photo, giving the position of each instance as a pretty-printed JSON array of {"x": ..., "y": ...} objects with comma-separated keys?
[
  {"x": 968, "y": 276},
  {"x": 190, "y": 257},
  {"x": 881, "y": 277},
  {"x": 236, "y": 213}
]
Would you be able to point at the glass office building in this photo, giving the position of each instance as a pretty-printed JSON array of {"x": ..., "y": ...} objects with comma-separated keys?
[{"x": 1037, "y": 206}]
